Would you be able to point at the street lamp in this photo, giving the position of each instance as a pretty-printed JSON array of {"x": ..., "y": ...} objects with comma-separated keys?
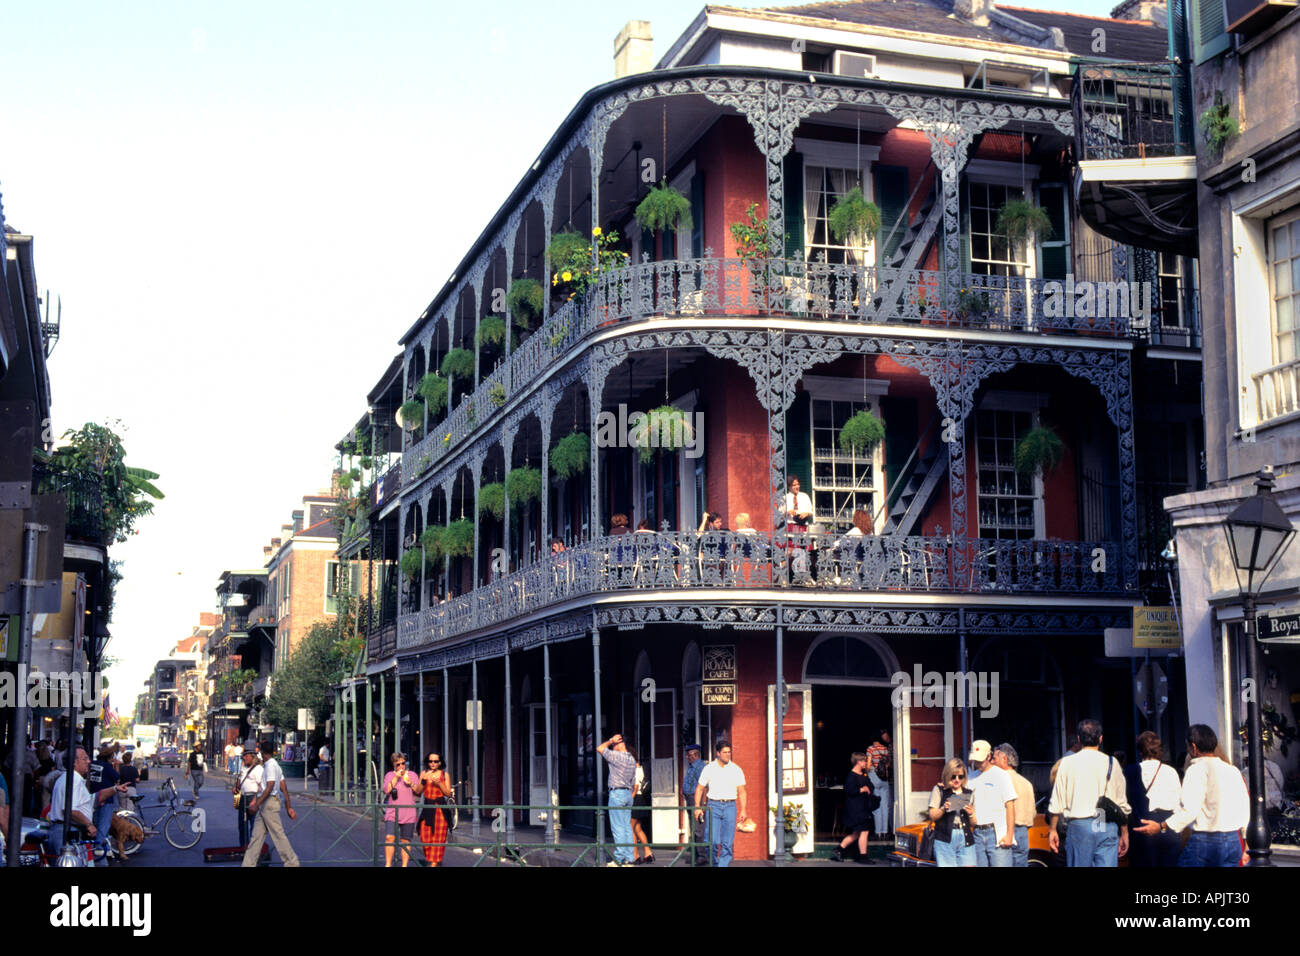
[{"x": 1258, "y": 535}]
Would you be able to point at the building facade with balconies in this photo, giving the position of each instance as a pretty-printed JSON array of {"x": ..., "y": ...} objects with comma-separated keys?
[{"x": 771, "y": 331}]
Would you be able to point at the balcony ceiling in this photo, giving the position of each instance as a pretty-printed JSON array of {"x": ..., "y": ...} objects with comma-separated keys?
[{"x": 1157, "y": 214}]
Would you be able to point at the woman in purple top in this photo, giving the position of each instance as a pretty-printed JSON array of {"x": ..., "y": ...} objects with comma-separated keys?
[{"x": 399, "y": 810}]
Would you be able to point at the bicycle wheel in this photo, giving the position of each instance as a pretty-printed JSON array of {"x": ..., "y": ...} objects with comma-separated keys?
[
  {"x": 130, "y": 846},
  {"x": 180, "y": 831}
]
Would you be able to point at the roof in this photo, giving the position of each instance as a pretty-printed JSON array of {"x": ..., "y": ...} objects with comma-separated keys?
[
  {"x": 921, "y": 16},
  {"x": 1133, "y": 41}
]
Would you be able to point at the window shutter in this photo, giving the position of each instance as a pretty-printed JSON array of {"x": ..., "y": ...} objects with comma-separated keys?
[
  {"x": 1209, "y": 37},
  {"x": 798, "y": 440},
  {"x": 891, "y": 196},
  {"x": 697, "y": 216},
  {"x": 793, "y": 197}
]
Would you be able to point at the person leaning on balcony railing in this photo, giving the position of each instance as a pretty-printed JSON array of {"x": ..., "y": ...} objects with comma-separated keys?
[{"x": 797, "y": 513}]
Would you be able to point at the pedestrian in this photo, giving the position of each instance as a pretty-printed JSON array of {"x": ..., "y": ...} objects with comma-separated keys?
[
  {"x": 1089, "y": 793},
  {"x": 83, "y": 804},
  {"x": 994, "y": 813},
  {"x": 950, "y": 811},
  {"x": 247, "y": 786},
  {"x": 267, "y": 807},
  {"x": 723, "y": 783},
  {"x": 882, "y": 766},
  {"x": 690, "y": 780},
  {"x": 1007, "y": 758},
  {"x": 1153, "y": 794},
  {"x": 399, "y": 808},
  {"x": 102, "y": 784},
  {"x": 622, "y": 777},
  {"x": 194, "y": 770},
  {"x": 640, "y": 813},
  {"x": 797, "y": 512},
  {"x": 434, "y": 822},
  {"x": 618, "y": 524},
  {"x": 858, "y": 791},
  {"x": 1213, "y": 801}
]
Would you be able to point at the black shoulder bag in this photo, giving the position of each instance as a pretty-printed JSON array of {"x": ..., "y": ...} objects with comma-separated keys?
[{"x": 1108, "y": 806}]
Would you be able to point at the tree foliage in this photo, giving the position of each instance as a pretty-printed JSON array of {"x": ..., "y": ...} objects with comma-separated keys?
[{"x": 322, "y": 659}]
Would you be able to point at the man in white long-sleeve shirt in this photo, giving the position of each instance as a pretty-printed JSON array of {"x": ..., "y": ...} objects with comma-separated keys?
[
  {"x": 1213, "y": 802},
  {"x": 1081, "y": 780}
]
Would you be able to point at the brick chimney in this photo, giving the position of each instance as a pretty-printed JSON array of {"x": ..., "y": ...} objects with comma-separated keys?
[
  {"x": 275, "y": 544},
  {"x": 973, "y": 11},
  {"x": 633, "y": 49},
  {"x": 266, "y": 551}
]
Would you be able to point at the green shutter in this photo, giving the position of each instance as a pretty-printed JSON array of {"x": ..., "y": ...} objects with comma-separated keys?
[
  {"x": 1209, "y": 35},
  {"x": 798, "y": 442},
  {"x": 794, "y": 206},
  {"x": 697, "y": 216},
  {"x": 891, "y": 196}
]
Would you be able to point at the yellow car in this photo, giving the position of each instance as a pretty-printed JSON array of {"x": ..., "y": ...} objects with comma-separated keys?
[{"x": 907, "y": 844}]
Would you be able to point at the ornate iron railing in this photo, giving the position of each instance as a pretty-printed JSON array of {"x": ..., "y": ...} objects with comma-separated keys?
[
  {"x": 648, "y": 561},
  {"x": 765, "y": 288},
  {"x": 1277, "y": 390},
  {"x": 83, "y": 494},
  {"x": 1132, "y": 110}
]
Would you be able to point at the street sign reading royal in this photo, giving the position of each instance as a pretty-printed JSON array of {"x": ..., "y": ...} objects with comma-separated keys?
[{"x": 1275, "y": 627}]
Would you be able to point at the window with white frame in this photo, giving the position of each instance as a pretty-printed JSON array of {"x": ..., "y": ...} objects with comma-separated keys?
[
  {"x": 842, "y": 482},
  {"x": 992, "y": 252},
  {"x": 1284, "y": 281},
  {"x": 1010, "y": 503},
  {"x": 830, "y": 171}
]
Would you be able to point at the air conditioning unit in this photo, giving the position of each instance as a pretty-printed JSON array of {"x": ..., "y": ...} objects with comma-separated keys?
[{"x": 853, "y": 64}]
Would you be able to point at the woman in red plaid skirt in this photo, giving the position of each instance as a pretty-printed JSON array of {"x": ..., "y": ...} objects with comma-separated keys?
[{"x": 433, "y": 819}]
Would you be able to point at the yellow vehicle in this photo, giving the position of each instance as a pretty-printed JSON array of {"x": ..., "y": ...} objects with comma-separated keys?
[{"x": 907, "y": 844}]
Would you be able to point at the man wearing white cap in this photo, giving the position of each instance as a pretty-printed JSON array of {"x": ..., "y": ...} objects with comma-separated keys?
[{"x": 994, "y": 809}]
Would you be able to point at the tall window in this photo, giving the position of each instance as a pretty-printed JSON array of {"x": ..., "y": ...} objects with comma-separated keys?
[
  {"x": 1284, "y": 259},
  {"x": 1006, "y": 498},
  {"x": 334, "y": 583},
  {"x": 841, "y": 481},
  {"x": 823, "y": 186},
  {"x": 992, "y": 252}
]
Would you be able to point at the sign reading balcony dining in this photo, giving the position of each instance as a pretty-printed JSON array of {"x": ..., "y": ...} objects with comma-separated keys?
[
  {"x": 719, "y": 662},
  {"x": 718, "y": 695},
  {"x": 1156, "y": 628}
]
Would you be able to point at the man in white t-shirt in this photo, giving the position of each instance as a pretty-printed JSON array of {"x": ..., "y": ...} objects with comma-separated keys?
[
  {"x": 267, "y": 807},
  {"x": 994, "y": 809},
  {"x": 723, "y": 782},
  {"x": 83, "y": 804}
]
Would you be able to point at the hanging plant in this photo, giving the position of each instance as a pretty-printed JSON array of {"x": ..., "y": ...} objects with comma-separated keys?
[
  {"x": 366, "y": 462},
  {"x": 862, "y": 433},
  {"x": 524, "y": 300},
  {"x": 491, "y": 331},
  {"x": 523, "y": 486},
  {"x": 458, "y": 538},
  {"x": 458, "y": 363},
  {"x": 571, "y": 455},
  {"x": 665, "y": 428},
  {"x": 492, "y": 500},
  {"x": 412, "y": 414},
  {"x": 1019, "y": 218},
  {"x": 1218, "y": 124},
  {"x": 664, "y": 207},
  {"x": 571, "y": 256},
  {"x": 412, "y": 563},
  {"x": 854, "y": 218},
  {"x": 1039, "y": 447},
  {"x": 344, "y": 481},
  {"x": 431, "y": 541},
  {"x": 433, "y": 389},
  {"x": 497, "y": 394}
]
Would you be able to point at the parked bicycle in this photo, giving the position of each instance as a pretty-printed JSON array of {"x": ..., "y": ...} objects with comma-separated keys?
[{"x": 180, "y": 825}]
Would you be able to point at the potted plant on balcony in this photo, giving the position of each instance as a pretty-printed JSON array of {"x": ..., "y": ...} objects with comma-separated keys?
[
  {"x": 664, "y": 207},
  {"x": 665, "y": 428},
  {"x": 571, "y": 260},
  {"x": 571, "y": 455},
  {"x": 1019, "y": 220},
  {"x": 524, "y": 300},
  {"x": 1039, "y": 448},
  {"x": 523, "y": 486},
  {"x": 411, "y": 563},
  {"x": 431, "y": 541},
  {"x": 753, "y": 238},
  {"x": 497, "y": 394},
  {"x": 854, "y": 219},
  {"x": 458, "y": 538},
  {"x": 412, "y": 413},
  {"x": 862, "y": 433},
  {"x": 492, "y": 500},
  {"x": 972, "y": 303}
]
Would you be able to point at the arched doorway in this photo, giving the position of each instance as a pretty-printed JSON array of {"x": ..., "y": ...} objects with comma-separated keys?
[{"x": 850, "y": 679}]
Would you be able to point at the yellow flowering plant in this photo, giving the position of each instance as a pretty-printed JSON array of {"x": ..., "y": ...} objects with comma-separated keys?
[{"x": 571, "y": 259}]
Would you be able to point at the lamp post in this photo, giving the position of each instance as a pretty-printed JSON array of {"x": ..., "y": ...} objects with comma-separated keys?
[{"x": 1258, "y": 534}]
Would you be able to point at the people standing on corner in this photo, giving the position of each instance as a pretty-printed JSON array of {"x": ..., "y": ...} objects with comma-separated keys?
[
  {"x": 622, "y": 777},
  {"x": 194, "y": 770},
  {"x": 994, "y": 813},
  {"x": 1007, "y": 759},
  {"x": 690, "y": 780},
  {"x": 950, "y": 809},
  {"x": 1153, "y": 793},
  {"x": 723, "y": 783},
  {"x": 83, "y": 804},
  {"x": 1086, "y": 783},
  {"x": 267, "y": 806},
  {"x": 399, "y": 808},
  {"x": 882, "y": 767},
  {"x": 1213, "y": 801},
  {"x": 858, "y": 791},
  {"x": 640, "y": 813}
]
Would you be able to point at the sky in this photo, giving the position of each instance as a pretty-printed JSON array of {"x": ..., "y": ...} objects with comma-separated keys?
[{"x": 242, "y": 207}]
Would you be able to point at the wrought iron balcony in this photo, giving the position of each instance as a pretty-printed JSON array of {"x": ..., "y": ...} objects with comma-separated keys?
[
  {"x": 729, "y": 561},
  {"x": 1132, "y": 111},
  {"x": 84, "y": 495},
  {"x": 767, "y": 288}
]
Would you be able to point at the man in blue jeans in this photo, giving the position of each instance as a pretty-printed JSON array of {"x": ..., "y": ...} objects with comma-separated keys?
[
  {"x": 723, "y": 782},
  {"x": 622, "y": 774},
  {"x": 1082, "y": 779},
  {"x": 994, "y": 809}
]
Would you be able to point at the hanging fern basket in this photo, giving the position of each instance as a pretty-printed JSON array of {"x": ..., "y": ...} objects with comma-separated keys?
[
  {"x": 412, "y": 414},
  {"x": 1039, "y": 447},
  {"x": 862, "y": 433},
  {"x": 523, "y": 486},
  {"x": 411, "y": 564},
  {"x": 664, "y": 207},
  {"x": 665, "y": 428},
  {"x": 491, "y": 331},
  {"x": 492, "y": 500},
  {"x": 854, "y": 219},
  {"x": 433, "y": 389},
  {"x": 1019, "y": 219},
  {"x": 431, "y": 541},
  {"x": 458, "y": 363},
  {"x": 524, "y": 300},
  {"x": 458, "y": 538},
  {"x": 571, "y": 455}
]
